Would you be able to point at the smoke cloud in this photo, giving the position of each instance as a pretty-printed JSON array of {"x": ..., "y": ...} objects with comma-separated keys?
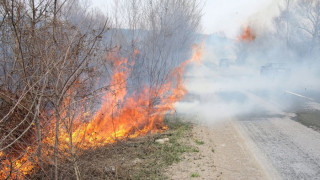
[{"x": 277, "y": 72}]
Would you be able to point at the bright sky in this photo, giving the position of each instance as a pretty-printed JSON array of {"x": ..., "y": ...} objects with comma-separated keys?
[
  {"x": 226, "y": 15},
  {"x": 229, "y": 15}
]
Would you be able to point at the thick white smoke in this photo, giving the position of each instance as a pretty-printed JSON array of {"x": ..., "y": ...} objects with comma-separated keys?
[{"x": 271, "y": 73}]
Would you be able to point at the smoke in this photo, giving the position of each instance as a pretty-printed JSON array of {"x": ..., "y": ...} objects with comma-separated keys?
[
  {"x": 270, "y": 74},
  {"x": 226, "y": 16}
]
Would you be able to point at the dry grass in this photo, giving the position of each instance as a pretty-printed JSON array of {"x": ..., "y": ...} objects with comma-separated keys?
[{"x": 139, "y": 158}]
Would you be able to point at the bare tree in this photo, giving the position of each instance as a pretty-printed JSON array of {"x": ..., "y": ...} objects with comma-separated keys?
[
  {"x": 45, "y": 54},
  {"x": 298, "y": 23},
  {"x": 310, "y": 21},
  {"x": 285, "y": 20},
  {"x": 163, "y": 33}
]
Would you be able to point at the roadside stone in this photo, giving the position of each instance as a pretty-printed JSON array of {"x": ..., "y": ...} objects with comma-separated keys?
[{"x": 162, "y": 141}]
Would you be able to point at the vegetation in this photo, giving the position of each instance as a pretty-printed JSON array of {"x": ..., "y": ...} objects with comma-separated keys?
[
  {"x": 294, "y": 38},
  {"x": 138, "y": 158},
  {"x": 309, "y": 119},
  {"x": 298, "y": 26},
  {"x": 61, "y": 62},
  {"x": 198, "y": 142},
  {"x": 195, "y": 175}
]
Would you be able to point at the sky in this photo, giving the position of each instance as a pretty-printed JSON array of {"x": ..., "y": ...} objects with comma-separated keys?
[{"x": 227, "y": 16}]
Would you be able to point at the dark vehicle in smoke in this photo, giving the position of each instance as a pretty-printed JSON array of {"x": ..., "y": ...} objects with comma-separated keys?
[
  {"x": 275, "y": 70},
  {"x": 224, "y": 63}
]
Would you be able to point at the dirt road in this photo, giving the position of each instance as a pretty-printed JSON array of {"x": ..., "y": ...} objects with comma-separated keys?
[
  {"x": 233, "y": 156},
  {"x": 252, "y": 148},
  {"x": 223, "y": 154},
  {"x": 267, "y": 145}
]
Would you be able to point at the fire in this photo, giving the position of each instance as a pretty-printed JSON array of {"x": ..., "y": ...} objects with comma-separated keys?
[
  {"x": 247, "y": 35},
  {"x": 121, "y": 115}
]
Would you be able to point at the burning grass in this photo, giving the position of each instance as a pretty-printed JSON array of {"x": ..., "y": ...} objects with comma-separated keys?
[
  {"x": 138, "y": 158},
  {"x": 122, "y": 115}
]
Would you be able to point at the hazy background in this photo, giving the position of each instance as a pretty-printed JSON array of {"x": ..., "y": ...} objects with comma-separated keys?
[
  {"x": 223, "y": 16},
  {"x": 229, "y": 81}
]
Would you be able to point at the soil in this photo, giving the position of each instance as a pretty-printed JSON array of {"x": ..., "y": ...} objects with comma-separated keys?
[{"x": 222, "y": 155}]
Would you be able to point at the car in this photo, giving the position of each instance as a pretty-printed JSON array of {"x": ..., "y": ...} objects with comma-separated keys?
[
  {"x": 224, "y": 63},
  {"x": 275, "y": 70}
]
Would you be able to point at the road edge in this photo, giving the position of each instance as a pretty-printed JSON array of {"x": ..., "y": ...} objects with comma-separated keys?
[{"x": 260, "y": 157}]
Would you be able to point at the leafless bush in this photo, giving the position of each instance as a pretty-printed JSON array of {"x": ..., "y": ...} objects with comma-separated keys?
[
  {"x": 163, "y": 33},
  {"x": 299, "y": 26},
  {"x": 47, "y": 57}
]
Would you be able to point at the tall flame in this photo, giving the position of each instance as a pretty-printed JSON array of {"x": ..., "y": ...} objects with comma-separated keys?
[{"x": 121, "y": 115}]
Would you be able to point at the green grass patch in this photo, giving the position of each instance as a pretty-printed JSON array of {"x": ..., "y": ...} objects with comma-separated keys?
[
  {"x": 168, "y": 153},
  {"x": 194, "y": 175},
  {"x": 195, "y": 149},
  {"x": 171, "y": 152},
  {"x": 198, "y": 142},
  {"x": 310, "y": 119}
]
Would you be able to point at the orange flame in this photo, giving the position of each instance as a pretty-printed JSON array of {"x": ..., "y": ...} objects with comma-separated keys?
[
  {"x": 247, "y": 35},
  {"x": 121, "y": 115}
]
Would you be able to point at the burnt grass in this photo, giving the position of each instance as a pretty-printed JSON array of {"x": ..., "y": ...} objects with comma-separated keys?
[
  {"x": 138, "y": 158},
  {"x": 310, "y": 119}
]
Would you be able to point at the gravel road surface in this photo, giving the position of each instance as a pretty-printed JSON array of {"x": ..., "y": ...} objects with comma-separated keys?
[{"x": 292, "y": 149}]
